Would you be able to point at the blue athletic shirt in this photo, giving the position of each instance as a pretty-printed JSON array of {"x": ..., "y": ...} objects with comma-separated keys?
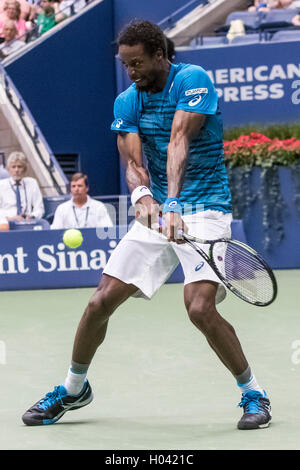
[{"x": 188, "y": 88}]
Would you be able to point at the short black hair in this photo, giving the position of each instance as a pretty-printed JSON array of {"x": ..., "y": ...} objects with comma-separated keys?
[{"x": 146, "y": 33}]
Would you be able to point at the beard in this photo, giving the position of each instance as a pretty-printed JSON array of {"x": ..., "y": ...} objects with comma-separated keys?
[{"x": 150, "y": 84}]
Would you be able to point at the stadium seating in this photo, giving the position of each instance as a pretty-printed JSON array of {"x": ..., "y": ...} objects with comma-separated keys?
[
  {"x": 274, "y": 16},
  {"x": 209, "y": 41},
  {"x": 116, "y": 202},
  {"x": 292, "y": 35},
  {"x": 247, "y": 39},
  {"x": 31, "y": 224},
  {"x": 275, "y": 19},
  {"x": 251, "y": 20},
  {"x": 51, "y": 203}
]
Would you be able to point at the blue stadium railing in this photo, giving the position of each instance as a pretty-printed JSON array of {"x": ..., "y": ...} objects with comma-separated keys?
[{"x": 170, "y": 20}]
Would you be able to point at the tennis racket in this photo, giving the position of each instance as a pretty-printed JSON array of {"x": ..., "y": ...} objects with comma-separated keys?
[{"x": 240, "y": 268}]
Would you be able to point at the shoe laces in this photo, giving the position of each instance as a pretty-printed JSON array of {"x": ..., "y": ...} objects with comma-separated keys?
[
  {"x": 52, "y": 398},
  {"x": 252, "y": 402}
]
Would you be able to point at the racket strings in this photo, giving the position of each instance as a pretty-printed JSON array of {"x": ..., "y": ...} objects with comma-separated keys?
[{"x": 244, "y": 271}]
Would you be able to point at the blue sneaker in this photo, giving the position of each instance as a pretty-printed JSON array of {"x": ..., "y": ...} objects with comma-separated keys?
[
  {"x": 55, "y": 404},
  {"x": 257, "y": 410}
]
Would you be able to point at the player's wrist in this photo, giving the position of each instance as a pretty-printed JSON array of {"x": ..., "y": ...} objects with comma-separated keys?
[
  {"x": 172, "y": 204},
  {"x": 140, "y": 192}
]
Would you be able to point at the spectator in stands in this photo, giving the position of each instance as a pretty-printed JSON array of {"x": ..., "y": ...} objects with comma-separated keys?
[
  {"x": 46, "y": 20},
  {"x": 53, "y": 4},
  {"x": 294, "y": 4},
  {"x": 296, "y": 20},
  {"x": 11, "y": 43},
  {"x": 13, "y": 12},
  {"x": 24, "y": 5},
  {"x": 69, "y": 7},
  {"x": 81, "y": 210},
  {"x": 20, "y": 195},
  {"x": 285, "y": 3},
  {"x": 264, "y": 6}
]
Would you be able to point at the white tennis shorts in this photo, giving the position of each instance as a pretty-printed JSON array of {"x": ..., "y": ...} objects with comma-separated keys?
[{"x": 146, "y": 259}]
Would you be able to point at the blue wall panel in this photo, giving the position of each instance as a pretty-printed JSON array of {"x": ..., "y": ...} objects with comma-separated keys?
[{"x": 155, "y": 11}]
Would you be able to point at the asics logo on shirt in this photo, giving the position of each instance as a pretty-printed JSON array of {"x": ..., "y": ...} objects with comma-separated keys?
[
  {"x": 195, "y": 100},
  {"x": 196, "y": 91},
  {"x": 119, "y": 123}
]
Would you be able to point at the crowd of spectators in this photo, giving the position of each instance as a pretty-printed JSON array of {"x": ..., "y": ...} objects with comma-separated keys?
[
  {"x": 263, "y": 18},
  {"x": 273, "y": 5},
  {"x": 32, "y": 19}
]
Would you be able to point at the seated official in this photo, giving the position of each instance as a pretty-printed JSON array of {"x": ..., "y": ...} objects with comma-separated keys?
[
  {"x": 20, "y": 195},
  {"x": 81, "y": 211}
]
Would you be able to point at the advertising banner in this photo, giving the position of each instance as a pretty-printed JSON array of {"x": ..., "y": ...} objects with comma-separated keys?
[
  {"x": 38, "y": 259},
  {"x": 257, "y": 83}
]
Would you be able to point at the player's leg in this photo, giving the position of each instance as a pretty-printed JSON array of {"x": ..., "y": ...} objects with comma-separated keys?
[
  {"x": 199, "y": 300},
  {"x": 76, "y": 392},
  {"x": 200, "y": 304},
  {"x": 91, "y": 330},
  {"x": 92, "y": 327},
  {"x": 138, "y": 266}
]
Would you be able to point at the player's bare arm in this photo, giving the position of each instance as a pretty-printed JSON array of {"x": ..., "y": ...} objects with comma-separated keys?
[
  {"x": 185, "y": 127},
  {"x": 130, "y": 149}
]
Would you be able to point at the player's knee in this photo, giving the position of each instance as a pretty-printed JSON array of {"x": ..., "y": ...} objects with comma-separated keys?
[
  {"x": 100, "y": 305},
  {"x": 203, "y": 315}
]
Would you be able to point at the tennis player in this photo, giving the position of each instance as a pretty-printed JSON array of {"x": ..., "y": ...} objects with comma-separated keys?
[{"x": 170, "y": 118}]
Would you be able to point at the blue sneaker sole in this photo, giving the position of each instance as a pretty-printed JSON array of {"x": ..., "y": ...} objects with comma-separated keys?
[{"x": 29, "y": 421}]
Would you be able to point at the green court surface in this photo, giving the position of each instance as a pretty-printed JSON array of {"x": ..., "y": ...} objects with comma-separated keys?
[{"x": 156, "y": 382}]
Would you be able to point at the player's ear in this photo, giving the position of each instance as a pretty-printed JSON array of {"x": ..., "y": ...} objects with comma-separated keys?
[{"x": 159, "y": 54}]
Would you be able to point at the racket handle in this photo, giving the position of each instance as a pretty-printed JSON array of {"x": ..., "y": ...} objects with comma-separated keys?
[{"x": 163, "y": 224}]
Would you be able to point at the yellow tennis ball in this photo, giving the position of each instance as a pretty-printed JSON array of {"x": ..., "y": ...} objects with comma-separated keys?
[{"x": 72, "y": 238}]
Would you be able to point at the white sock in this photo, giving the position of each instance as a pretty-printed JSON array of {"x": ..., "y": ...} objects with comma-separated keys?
[
  {"x": 74, "y": 382},
  {"x": 250, "y": 385}
]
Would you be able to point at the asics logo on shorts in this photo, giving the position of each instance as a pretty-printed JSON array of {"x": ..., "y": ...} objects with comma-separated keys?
[{"x": 199, "y": 266}]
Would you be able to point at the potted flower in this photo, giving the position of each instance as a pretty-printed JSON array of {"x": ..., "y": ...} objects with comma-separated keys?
[{"x": 262, "y": 172}]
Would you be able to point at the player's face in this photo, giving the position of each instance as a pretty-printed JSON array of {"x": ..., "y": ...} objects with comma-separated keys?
[
  {"x": 79, "y": 189},
  {"x": 17, "y": 170},
  {"x": 144, "y": 70}
]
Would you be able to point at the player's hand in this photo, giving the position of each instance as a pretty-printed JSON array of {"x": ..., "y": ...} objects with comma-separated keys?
[
  {"x": 147, "y": 211},
  {"x": 172, "y": 227}
]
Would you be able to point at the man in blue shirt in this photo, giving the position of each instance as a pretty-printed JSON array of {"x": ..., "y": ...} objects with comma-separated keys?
[{"x": 169, "y": 134}]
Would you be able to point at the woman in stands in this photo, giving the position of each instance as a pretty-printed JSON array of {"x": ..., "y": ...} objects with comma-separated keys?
[
  {"x": 12, "y": 11},
  {"x": 25, "y": 9}
]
